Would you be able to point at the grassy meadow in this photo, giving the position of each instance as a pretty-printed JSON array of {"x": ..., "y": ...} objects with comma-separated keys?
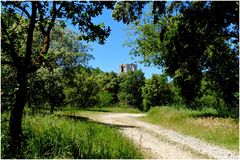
[
  {"x": 202, "y": 124},
  {"x": 49, "y": 136}
]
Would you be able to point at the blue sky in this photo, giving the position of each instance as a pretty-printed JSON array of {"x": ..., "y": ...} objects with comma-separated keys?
[{"x": 109, "y": 56}]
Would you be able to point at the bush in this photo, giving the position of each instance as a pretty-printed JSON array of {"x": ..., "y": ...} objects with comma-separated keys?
[
  {"x": 104, "y": 99},
  {"x": 130, "y": 92},
  {"x": 156, "y": 92},
  {"x": 211, "y": 102},
  {"x": 207, "y": 101}
]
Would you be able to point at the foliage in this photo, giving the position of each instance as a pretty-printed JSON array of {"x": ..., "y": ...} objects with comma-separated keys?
[
  {"x": 109, "y": 82},
  {"x": 45, "y": 87},
  {"x": 52, "y": 137},
  {"x": 80, "y": 89},
  {"x": 177, "y": 98},
  {"x": 130, "y": 92},
  {"x": 8, "y": 87},
  {"x": 192, "y": 39},
  {"x": 156, "y": 92},
  {"x": 209, "y": 98},
  {"x": 129, "y": 11},
  {"x": 20, "y": 21},
  {"x": 104, "y": 99},
  {"x": 66, "y": 50}
]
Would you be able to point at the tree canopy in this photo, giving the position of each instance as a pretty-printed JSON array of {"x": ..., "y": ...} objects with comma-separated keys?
[
  {"x": 192, "y": 38},
  {"x": 43, "y": 62},
  {"x": 20, "y": 21}
]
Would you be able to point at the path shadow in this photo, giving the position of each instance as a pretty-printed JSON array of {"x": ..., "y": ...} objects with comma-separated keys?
[
  {"x": 76, "y": 118},
  {"x": 207, "y": 115},
  {"x": 98, "y": 110},
  {"x": 86, "y": 119},
  {"x": 119, "y": 126}
]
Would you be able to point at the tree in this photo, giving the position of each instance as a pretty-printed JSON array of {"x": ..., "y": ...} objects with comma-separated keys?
[
  {"x": 81, "y": 89},
  {"x": 156, "y": 92},
  {"x": 109, "y": 82},
  {"x": 27, "y": 56},
  {"x": 130, "y": 11},
  {"x": 130, "y": 92},
  {"x": 190, "y": 39},
  {"x": 45, "y": 87},
  {"x": 65, "y": 53}
]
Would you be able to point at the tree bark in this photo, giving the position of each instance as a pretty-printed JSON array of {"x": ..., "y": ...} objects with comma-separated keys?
[{"x": 15, "y": 123}]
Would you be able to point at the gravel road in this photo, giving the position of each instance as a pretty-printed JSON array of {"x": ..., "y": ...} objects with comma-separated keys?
[{"x": 161, "y": 143}]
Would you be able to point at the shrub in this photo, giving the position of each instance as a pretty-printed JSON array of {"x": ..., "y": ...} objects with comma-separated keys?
[
  {"x": 207, "y": 101},
  {"x": 156, "y": 92},
  {"x": 212, "y": 102},
  {"x": 130, "y": 92},
  {"x": 104, "y": 99}
]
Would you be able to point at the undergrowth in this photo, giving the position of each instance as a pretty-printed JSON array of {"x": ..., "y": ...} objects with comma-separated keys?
[{"x": 53, "y": 137}]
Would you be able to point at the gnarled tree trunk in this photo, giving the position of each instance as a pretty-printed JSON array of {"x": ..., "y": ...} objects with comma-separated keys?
[{"x": 15, "y": 122}]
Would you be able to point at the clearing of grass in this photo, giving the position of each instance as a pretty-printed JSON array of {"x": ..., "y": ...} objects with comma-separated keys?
[
  {"x": 219, "y": 131},
  {"x": 158, "y": 142},
  {"x": 68, "y": 138}
]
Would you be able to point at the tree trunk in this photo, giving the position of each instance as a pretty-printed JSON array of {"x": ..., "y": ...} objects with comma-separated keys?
[
  {"x": 52, "y": 108},
  {"x": 15, "y": 123}
]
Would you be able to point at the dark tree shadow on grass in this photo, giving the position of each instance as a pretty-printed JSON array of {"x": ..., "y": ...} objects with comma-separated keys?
[
  {"x": 98, "y": 110},
  {"x": 86, "y": 119}
]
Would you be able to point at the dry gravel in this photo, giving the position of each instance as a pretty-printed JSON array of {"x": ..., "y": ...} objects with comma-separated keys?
[{"x": 161, "y": 143}]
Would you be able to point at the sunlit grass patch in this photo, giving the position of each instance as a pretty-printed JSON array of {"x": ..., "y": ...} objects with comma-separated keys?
[
  {"x": 219, "y": 131},
  {"x": 116, "y": 109},
  {"x": 53, "y": 137}
]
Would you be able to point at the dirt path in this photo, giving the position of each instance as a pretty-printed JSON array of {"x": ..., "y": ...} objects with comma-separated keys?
[{"x": 159, "y": 142}]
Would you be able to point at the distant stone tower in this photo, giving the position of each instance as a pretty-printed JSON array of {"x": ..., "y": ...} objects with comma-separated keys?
[{"x": 124, "y": 68}]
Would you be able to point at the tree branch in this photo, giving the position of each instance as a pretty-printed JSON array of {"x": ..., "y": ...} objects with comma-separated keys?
[
  {"x": 39, "y": 5},
  {"x": 18, "y": 23},
  {"x": 30, "y": 34},
  {"x": 39, "y": 60},
  {"x": 8, "y": 46},
  {"x": 9, "y": 49},
  {"x": 18, "y": 5},
  {"x": 54, "y": 15},
  {"x": 7, "y": 62}
]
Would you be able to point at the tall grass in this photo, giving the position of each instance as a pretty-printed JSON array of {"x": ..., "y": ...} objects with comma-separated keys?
[
  {"x": 53, "y": 137},
  {"x": 116, "y": 109},
  {"x": 201, "y": 124}
]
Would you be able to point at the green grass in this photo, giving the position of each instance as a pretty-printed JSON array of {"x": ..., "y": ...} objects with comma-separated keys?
[
  {"x": 57, "y": 137},
  {"x": 200, "y": 124},
  {"x": 96, "y": 109},
  {"x": 115, "y": 109}
]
